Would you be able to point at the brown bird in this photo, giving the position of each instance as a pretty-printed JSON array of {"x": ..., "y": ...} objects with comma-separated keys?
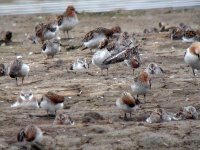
[
  {"x": 68, "y": 20},
  {"x": 30, "y": 133},
  {"x": 51, "y": 102},
  {"x": 192, "y": 56},
  {"x": 63, "y": 119},
  {"x": 127, "y": 103},
  {"x": 18, "y": 69},
  {"x": 93, "y": 38},
  {"x": 141, "y": 84},
  {"x": 188, "y": 112},
  {"x": 5, "y": 37},
  {"x": 46, "y": 31}
]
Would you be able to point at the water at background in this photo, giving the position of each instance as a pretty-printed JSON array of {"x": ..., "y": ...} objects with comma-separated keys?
[{"x": 11, "y": 7}]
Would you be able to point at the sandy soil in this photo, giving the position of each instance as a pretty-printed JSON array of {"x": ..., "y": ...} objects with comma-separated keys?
[{"x": 176, "y": 88}]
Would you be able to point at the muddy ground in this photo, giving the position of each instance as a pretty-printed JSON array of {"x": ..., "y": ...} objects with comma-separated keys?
[{"x": 176, "y": 88}]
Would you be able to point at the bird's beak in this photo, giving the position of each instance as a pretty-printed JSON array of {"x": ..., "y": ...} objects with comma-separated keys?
[{"x": 77, "y": 12}]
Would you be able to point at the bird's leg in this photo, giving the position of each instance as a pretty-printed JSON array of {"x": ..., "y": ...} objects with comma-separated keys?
[
  {"x": 144, "y": 97},
  {"x": 68, "y": 34},
  {"x": 137, "y": 96},
  {"x": 101, "y": 72},
  {"x": 193, "y": 72},
  {"x": 125, "y": 117},
  {"x": 133, "y": 71},
  {"x": 107, "y": 71},
  {"x": 130, "y": 115},
  {"x": 48, "y": 113},
  {"x": 16, "y": 81},
  {"x": 55, "y": 112},
  {"x": 22, "y": 80}
]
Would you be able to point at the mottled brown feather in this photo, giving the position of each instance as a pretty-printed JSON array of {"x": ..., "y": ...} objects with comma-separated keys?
[
  {"x": 55, "y": 98},
  {"x": 195, "y": 48},
  {"x": 101, "y": 30},
  {"x": 128, "y": 99},
  {"x": 30, "y": 133}
]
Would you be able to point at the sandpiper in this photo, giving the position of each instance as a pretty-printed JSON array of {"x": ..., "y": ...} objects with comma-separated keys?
[
  {"x": 99, "y": 57},
  {"x": 141, "y": 84},
  {"x": 93, "y": 38},
  {"x": 6, "y": 37},
  {"x": 188, "y": 112},
  {"x": 30, "y": 134},
  {"x": 47, "y": 31},
  {"x": 159, "y": 115},
  {"x": 63, "y": 119},
  {"x": 192, "y": 56},
  {"x": 18, "y": 69},
  {"x": 68, "y": 20},
  {"x": 26, "y": 99},
  {"x": 189, "y": 36},
  {"x": 51, "y": 102},
  {"x": 51, "y": 48},
  {"x": 127, "y": 103},
  {"x": 79, "y": 64},
  {"x": 4, "y": 69},
  {"x": 154, "y": 68}
]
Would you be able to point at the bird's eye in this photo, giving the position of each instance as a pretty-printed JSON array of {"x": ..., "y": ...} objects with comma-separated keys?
[
  {"x": 30, "y": 94},
  {"x": 22, "y": 94}
]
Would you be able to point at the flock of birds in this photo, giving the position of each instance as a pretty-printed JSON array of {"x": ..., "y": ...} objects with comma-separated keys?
[{"x": 113, "y": 46}]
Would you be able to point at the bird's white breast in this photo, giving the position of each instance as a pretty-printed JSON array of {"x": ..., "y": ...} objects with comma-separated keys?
[
  {"x": 100, "y": 56},
  {"x": 69, "y": 23},
  {"x": 192, "y": 60},
  {"x": 95, "y": 41},
  {"x": 25, "y": 70}
]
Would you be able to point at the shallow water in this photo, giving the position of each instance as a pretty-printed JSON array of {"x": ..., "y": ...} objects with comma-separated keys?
[{"x": 51, "y": 6}]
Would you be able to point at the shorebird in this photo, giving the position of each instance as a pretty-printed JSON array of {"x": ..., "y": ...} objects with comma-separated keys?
[
  {"x": 79, "y": 64},
  {"x": 155, "y": 117},
  {"x": 141, "y": 84},
  {"x": 188, "y": 112},
  {"x": 93, "y": 38},
  {"x": 99, "y": 57},
  {"x": 159, "y": 115},
  {"x": 4, "y": 69},
  {"x": 63, "y": 119},
  {"x": 153, "y": 68},
  {"x": 133, "y": 62},
  {"x": 68, "y": 20},
  {"x": 189, "y": 36},
  {"x": 51, "y": 48},
  {"x": 127, "y": 103},
  {"x": 51, "y": 102},
  {"x": 47, "y": 31},
  {"x": 5, "y": 37},
  {"x": 30, "y": 134},
  {"x": 18, "y": 69},
  {"x": 192, "y": 56},
  {"x": 130, "y": 56},
  {"x": 26, "y": 99}
]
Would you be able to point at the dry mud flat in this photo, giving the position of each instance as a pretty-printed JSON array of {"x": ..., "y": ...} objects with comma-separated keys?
[{"x": 108, "y": 131}]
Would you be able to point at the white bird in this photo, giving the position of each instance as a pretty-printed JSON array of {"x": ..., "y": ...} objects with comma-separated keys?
[
  {"x": 79, "y": 64},
  {"x": 18, "y": 69},
  {"x": 51, "y": 48},
  {"x": 68, "y": 20},
  {"x": 192, "y": 56},
  {"x": 99, "y": 57},
  {"x": 26, "y": 99}
]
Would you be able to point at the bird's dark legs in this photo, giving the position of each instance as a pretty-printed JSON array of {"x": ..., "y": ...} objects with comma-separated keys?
[
  {"x": 193, "y": 72},
  {"x": 16, "y": 82}
]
